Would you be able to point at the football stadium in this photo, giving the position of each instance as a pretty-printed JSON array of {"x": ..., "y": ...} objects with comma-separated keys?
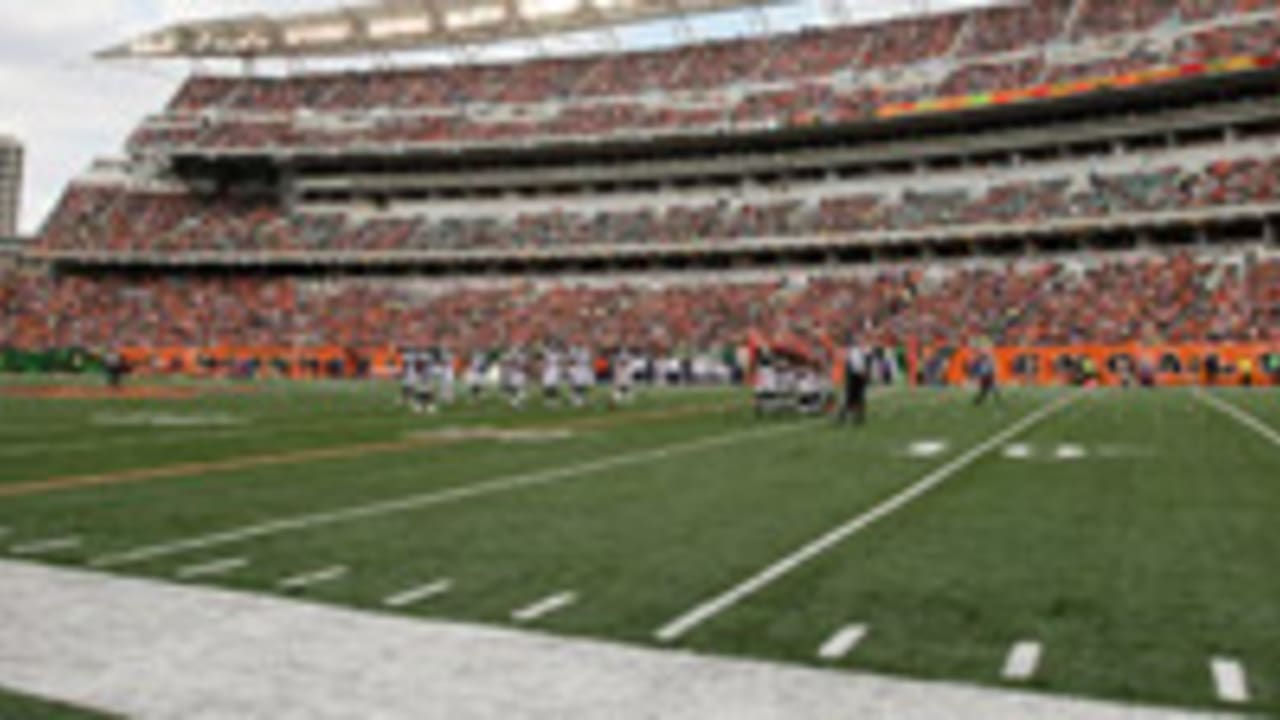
[{"x": 920, "y": 364}]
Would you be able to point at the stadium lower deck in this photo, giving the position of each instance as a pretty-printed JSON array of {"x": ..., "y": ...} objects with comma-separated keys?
[{"x": 1120, "y": 543}]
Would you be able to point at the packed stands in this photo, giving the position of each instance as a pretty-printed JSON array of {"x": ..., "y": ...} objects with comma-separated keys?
[
  {"x": 1175, "y": 298},
  {"x": 818, "y": 76},
  {"x": 231, "y": 218},
  {"x": 115, "y": 219}
]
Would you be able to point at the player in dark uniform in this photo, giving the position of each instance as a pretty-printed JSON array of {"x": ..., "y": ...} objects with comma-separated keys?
[
  {"x": 116, "y": 369},
  {"x": 984, "y": 372}
]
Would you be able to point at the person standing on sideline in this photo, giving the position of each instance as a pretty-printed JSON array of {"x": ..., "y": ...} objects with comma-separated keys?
[
  {"x": 984, "y": 372},
  {"x": 856, "y": 369}
]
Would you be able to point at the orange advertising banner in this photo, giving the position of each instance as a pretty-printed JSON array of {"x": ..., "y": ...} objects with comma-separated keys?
[
  {"x": 1076, "y": 87},
  {"x": 1118, "y": 365}
]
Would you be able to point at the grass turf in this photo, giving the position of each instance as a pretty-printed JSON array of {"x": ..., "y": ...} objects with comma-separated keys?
[
  {"x": 1133, "y": 564},
  {"x": 16, "y": 706}
]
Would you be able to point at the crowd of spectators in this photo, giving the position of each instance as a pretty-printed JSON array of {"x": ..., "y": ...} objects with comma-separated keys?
[
  {"x": 114, "y": 219},
  {"x": 1167, "y": 298},
  {"x": 832, "y": 75}
]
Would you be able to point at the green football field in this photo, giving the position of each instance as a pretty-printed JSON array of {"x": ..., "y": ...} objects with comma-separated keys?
[{"x": 1122, "y": 540}]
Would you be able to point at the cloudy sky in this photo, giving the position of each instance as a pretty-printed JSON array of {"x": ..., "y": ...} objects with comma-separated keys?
[{"x": 68, "y": 109}]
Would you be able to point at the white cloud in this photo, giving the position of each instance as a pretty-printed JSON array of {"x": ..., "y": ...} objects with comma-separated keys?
[{"x": 68, "y": 109}]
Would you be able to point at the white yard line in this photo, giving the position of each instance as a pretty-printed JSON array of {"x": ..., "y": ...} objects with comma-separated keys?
[
  {"x": 212, "y": 569},
  {"x": 43, "y": 547},
  {"x": 316, "y": 577},
  {"x": 544, "y": 607},
  {"x": 1018, "y": 451},
  {"x": 842, "y": 643},
  {"x": 1244, "y": 418},
  {"x": 420, "y": 594},
  {"x": 1229, "y": 680},
  {"x": 430, "y": 499},
  {"x": 681, "y": 625},
  {"x": 1023, "y": 660},
  {"x": 1070, "y": 452},
  {"x": 927, "y": 448}
]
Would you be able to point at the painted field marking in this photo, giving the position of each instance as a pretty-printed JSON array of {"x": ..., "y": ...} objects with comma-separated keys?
[
  {"x": 1022, "y": 662},
  {"x": 417, "y": 595},
  {"x": 1241, "y": 416},
  {"x": 316, "y": 577},
  {"x": 1229, "y": 680},
  {"x": 842, "y": 643},
  {"x": 430, "y": 499},
  {"x": 927, "y": 448},
  {"x": 1069, "y": 452},
  {"x": 43, "y": 547},
  {"x": 1018, "y": 451},
  {"x": 212, "y": 569},
  {"x": 681, "y": 625},
  {"x": 544, "y": 607}
]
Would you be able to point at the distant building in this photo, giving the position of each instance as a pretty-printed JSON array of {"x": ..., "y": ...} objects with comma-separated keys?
[{"x": 11, "y": 153}]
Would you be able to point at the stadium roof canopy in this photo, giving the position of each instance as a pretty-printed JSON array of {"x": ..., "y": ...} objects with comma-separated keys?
[{"x": 401, "y": 25}]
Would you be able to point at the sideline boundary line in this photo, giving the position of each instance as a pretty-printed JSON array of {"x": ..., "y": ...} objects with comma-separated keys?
[
  {"x": 437, "y": 497},
  {"x": 680, "y": 626},
  {"x": 1243, "y": 417}
]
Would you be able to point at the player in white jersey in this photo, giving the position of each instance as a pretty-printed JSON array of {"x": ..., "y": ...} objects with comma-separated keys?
[
  {"x": 475, "y": 377},
  {"x": 408, "y": 377},
  {"x": 448, "y": 378},
  {"x": 581, "y": 377},
  {"x": 513, "y": 378},
  {"x": 622, "y": 378},
  {"x": 766, "y": 388},
  {"x": 552, "y": 376},
  {"x": 424, "y": 389},
  {"x": 811, "y": 393}
]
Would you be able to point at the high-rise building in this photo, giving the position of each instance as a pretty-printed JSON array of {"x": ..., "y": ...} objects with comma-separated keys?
[{"x": 10, "y": 185}]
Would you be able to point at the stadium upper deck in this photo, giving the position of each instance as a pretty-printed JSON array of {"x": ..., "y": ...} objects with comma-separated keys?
[
  {"x": 838, "y": 76},
  {"x": 1179, "y": 169}
]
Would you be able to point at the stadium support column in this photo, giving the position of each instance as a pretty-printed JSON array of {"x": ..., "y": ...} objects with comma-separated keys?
[
  {"x": 289, "y": 193},
  {"x": 1143, "y": 239}
]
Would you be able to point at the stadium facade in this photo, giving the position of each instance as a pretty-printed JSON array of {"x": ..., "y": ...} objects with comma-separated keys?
[
  {"x": 11, "y": 173},
  {"x": 1055, "y": 177}
]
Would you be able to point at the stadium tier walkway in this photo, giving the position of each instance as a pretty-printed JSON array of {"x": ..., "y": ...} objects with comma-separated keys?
[{"x": 147, "y": 649}]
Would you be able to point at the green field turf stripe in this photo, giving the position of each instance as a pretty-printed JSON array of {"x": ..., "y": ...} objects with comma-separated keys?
[
  {"x": 681, "y": 625},
  {"x": 424, "y": 500},
  {"x": 1244, "y": 418},
  {"x": 316, "y": 454}
]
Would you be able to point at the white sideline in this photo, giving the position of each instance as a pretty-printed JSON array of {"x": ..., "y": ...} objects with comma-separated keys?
[
  {"x": 211, "y": 569},
  {"x": 41, "y": 547},
  {"x": 1229, "y": 680},
  {"x": 151, "y": 650},
  {"x": 417, "y": 595},
  {"x": 842, "y": 643},
  {"x": 718, "y": 604},
  {"x": 1022, "y": 662},
  {"x": 1244, "y": 418},
  {"x": 423, "y": 500},
  {"x": 544, "y": 607},
  {"x": 316, "y": 577}
]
